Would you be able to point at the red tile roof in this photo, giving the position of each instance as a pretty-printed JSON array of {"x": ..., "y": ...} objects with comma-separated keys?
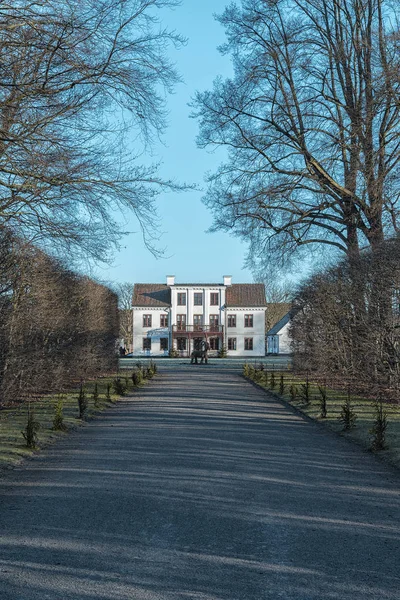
[
  {"x": 151, "y": 294},
  {"x": 237, "y": 295},
  {"x": 245, "y": 294}
]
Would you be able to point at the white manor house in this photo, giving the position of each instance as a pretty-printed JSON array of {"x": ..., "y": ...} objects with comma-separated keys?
[{"x": 180, "y": 316}]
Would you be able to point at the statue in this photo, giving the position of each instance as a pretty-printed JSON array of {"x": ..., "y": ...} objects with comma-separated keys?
[{"x": 200, "y": 352}]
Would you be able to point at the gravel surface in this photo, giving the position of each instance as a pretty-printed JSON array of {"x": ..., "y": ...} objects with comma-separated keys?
[{"x": 200, "y": 488}]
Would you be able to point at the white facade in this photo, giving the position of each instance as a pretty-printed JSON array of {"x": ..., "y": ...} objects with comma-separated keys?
[
  {"x": 155, "y": 332},
  {"x": 279, "y": 340},
  {"x": 197, "y": 312}
]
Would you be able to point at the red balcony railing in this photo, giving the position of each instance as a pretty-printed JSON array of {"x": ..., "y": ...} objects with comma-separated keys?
[{"x": 183, "y": 328}]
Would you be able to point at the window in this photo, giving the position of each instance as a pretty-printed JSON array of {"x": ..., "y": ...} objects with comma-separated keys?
[
  {"x": 214, "y": 298},
  {"x": 231, "y": 343},
  {"x": 213, "y": 322},
  {"x": 146, "y": 343},
  {"x": 163, "y": 343},
  {"x": 181, "y": 343},
  {"x": 163, "y": 320},
  {"x": 198, "y": 299},
  {"x": 181, "y": 322},
  {"x": 146, "y": 320},
  {"x": 197, "y": 343},
  {"x": 248, "y": 321},
  {"x": 198, "y": 322},
  {"x": 232, "y": 321},
  {"x": 214, "y": 343},
  {"x": 248, "y": 343},
  {"x": 181, "y": 299}
]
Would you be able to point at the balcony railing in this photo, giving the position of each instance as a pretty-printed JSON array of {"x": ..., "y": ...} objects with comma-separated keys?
[{"x": 183, "y": 328}]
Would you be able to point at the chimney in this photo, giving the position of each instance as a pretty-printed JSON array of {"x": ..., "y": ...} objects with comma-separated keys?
[
  {"x": 170, "y": 279},
  {"x": 227, "y": 280}
]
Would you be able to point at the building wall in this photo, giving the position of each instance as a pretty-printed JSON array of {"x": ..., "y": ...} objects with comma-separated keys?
[
  {"x": 240, "y": 332},
  {"x": 154, "y": 333},
  {"x": 282, "y": 342}
]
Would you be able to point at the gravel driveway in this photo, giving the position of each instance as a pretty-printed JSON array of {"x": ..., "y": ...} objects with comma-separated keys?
[{"x": 201, "y": 488}]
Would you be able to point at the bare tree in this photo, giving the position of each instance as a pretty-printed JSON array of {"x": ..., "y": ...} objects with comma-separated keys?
[
  {"x": 82, "y": 94},
  {"x": 56, "y": 327},
  {"x": 311, "y": 124},
  {"x": 125, "y": 293},
  {"x": 343, "y": 326}
]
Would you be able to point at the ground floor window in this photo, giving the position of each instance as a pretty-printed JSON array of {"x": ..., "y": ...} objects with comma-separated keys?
[
  {"x": 248, "y": 343},
  {"x": 231, "y": 343},
  {"x": 181, "y": 343},
  {"x": 163, "y": 343},
  {"x": 197, "y": 343},
  {"x": 214, "y": 343},
  {"x": 146, "y": 343}
]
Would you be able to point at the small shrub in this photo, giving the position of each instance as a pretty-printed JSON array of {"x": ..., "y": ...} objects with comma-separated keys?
[
  {"x": 246, "y": 370},
  {"x": 272, "y": 380},
  {"x": 82, "y": 402},
  {"x": 173, "y": 353},
  {"x": 126, "y": 383},
  {"x": 137, "y": 378},
  {"x": 108, "y": 392},
  {"x": 293, "y": 391},
  {"x": 379, "y": 428},
  {"x": 95, "y": 395},
  {"x": 347, "y": 415},
  {"x": 31, "y": 429},
  {"x": 252, "y": 372},
  {"x": 282, "y": 385},
  {"x": 58, "y": 421},
  {"x": 222, "y": 353},
  {"x": 322, "y": 401},
  {"x": 153, "y": 367},
  {"x": 118, "y": 387},
  {"x": 305, "y": 391},
  {"x": 149, "y": 373}
]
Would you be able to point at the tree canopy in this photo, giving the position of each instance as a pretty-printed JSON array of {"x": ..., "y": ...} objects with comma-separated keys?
[
  {"x": 310, "y": 120},
  {"x": 82, "y": 93}
]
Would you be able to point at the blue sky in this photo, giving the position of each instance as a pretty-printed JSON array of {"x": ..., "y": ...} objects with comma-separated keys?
[{"x": 193, "y": 254}]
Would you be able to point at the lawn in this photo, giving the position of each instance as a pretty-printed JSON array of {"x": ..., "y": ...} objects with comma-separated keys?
[
  {"x": 13, "y": 420},
  {"x": 364, "y": 409}
]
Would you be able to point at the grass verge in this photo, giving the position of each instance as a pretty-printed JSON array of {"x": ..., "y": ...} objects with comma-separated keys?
[
  {"x": 364, "y": 409},
  {"x": 13, "y": 421}
]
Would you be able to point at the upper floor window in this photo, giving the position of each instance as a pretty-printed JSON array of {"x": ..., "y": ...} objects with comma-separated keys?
[
  {"x": 231, "y": 320},
  {"x": 146, "y": 320},
  {"x": 248, "y": 320},
  {"x": 214, "y": 321},
  {"x": 181, "y": 322},
  {"x": 163, "y": 320},
  {"x": 181, "y": 299},
  {"x": 198, "y": 322},
  {"x": 198, "y": 299},
  {"x": 214, "y": 298}
]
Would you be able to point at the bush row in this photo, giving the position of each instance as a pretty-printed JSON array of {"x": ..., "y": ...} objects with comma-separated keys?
[{"x": 56, "y": 327}]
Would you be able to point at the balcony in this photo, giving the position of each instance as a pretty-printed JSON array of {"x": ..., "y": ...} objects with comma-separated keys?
[{"x": 198, "y": 329}]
